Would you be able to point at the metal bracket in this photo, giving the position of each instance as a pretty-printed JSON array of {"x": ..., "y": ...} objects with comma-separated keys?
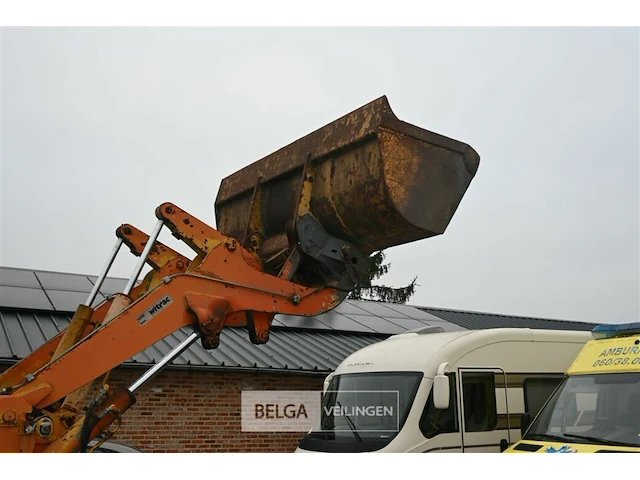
[
  {"x": 211, "y": 312},
  {"x": 345, "y": 265}
]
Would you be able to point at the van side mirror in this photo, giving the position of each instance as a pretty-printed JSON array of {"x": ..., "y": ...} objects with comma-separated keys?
[
  {"x": 525, "y": 421},
  {"x": 441, "y": 392}
]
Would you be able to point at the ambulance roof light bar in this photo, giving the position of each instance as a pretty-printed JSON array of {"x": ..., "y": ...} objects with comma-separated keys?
[{"x": 610, "y": 330}]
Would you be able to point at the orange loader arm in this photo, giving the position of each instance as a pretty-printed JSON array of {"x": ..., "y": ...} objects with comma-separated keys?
[
  {"x": 294, "y": 235},
  {"x": 222, "y": 286}
]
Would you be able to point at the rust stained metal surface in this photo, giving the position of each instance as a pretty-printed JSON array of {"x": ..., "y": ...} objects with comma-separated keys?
[
  {"x": 377, "y": 182},
  {"x": 159, "y": 255}
]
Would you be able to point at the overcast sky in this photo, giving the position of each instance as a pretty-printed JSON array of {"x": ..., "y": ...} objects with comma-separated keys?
[{"x": 99, "y": 126}]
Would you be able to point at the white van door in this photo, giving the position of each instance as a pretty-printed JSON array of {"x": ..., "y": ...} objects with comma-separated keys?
[{"x": 477, "y": 410}]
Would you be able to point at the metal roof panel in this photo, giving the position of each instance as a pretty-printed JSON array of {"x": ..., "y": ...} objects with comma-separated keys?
[
  {"x": 302, "y": 344},
  {"x": 478, "y": 320},
  {"x": 295, "y": 350}
]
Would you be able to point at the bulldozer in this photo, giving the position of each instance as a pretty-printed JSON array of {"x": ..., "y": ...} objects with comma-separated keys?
[{"x": 294, "y": 234}]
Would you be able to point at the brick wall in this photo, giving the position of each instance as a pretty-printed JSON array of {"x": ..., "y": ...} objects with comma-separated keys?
[{"x": 199, "y": 411}]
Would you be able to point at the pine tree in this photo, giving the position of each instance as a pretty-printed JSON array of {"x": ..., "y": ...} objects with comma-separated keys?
[{"x": 381, "y": 293}]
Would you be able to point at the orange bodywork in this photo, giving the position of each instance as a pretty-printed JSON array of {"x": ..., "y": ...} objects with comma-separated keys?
[{"x": 222, "y": 286}]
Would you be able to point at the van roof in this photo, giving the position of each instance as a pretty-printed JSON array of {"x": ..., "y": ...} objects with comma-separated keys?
[{"x": 413, "y": 351}]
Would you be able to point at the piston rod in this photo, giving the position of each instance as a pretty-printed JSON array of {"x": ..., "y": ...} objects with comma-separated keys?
[
  {"x": 143, "y": 257},
  {"x": 169, "y": 357},
  {"x": 103, "y": 273}
]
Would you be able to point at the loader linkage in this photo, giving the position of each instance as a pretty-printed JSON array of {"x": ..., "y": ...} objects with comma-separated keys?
[
  {"x": 222, "y": 286},
  {"x": 295, "y": 231}
]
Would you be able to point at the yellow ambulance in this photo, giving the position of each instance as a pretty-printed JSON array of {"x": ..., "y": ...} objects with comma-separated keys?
[{"x": 596, "y": 408}]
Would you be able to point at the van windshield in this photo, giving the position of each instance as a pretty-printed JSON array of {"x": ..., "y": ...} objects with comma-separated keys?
[
  {"x": 602, "y": 409},
  {"x": 363, "y": 411}
]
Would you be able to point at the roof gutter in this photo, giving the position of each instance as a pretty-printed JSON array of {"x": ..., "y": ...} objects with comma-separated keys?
[{"x": 210, "y": 368}]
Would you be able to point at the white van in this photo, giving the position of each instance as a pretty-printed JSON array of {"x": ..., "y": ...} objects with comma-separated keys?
[{"x": 436, "y": 391}]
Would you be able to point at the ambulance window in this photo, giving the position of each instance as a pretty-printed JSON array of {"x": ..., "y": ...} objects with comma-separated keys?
[
  {"x": 434, "y": 421},
  {"x": 536, "y": 393},
  {"x": 479, "y": 397}
]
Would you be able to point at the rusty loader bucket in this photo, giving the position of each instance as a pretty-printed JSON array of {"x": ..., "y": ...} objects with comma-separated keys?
[{"x": 368, "y": 178}]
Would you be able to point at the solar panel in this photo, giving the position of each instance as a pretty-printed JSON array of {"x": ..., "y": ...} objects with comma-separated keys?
[
  {"x": 110, "y": 285},
  {"x": 276, "y": 323},
  {"x": 20, "y": 288},
  {"x": 377, "y": 324},
  {"x": 19, "y": 297},
  {"x": 64, "y": 281},
  {"x": 350, "y": 307},
  {"x": 12, "y": 277},
  {"x": 413, "y": 312},
  {"x": 380, "y": 309},
  {"x": 449, "y": 327},
  {"x": 407, "y": 323},
  {"x": 338, "y": 321},
  {"x": 64, "y": 301},
  {"x": 301, "y": 322}
]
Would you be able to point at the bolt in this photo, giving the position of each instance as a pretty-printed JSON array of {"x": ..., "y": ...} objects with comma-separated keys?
[
  {"x": 9, "y": 416},
  {"x": 231, "y": 246},
  {"x": 127, "y": 230},
  {"x": 180, "y": 265},
  {"x": 168, "y": 209},
  {"x": 295, "y": 299}
]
